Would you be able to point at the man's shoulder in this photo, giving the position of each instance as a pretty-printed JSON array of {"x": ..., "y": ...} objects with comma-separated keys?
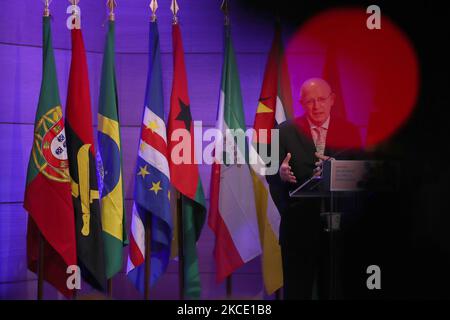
[
  {"x": 342, "y": 123},
  {"x": 293, "y": 129},
  {"x": 292, "y": 124},
  {"x": 344, "y": 133},
  {"x": 301, "y": 124},
  {"x": 286, "y": 125}
]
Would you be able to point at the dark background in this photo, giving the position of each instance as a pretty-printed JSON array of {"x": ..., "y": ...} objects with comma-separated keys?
[{"x": 405, "y": 232}]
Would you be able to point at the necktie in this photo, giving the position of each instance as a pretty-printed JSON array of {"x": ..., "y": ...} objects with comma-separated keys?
[{"x": 320, "y": 139}]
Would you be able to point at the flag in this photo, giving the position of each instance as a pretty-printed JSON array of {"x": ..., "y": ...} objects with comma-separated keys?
[
  {"x": 331, "y": 75},
  {"x": 274, "y": 107},
  {"x": 185, "y": 175},
  {"x": 232, "y": 215},
  {"x": 47, "y": 193},
  {"x": 110, "y": 163},
  {"x": 82, "y": 167},
  {"x": 152, "y": 179}
]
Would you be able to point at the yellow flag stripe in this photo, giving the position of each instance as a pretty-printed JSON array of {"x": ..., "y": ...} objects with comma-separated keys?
[{"x": 271, "y": 257}]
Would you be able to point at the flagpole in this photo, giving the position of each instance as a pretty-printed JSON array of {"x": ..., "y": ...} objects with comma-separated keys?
[
  {"x": 278, "y": 294},
  {"x": 225, "y": 9},
  {"x": 277, "y": 24},
  {"x": 148, "y": 219},
  {"x": 153, "y": 6},
  {"x": 75, "y": 292},
  {"x": 229, "y": 286},
  {"x": 181, "y": 276},
  {"x": 180, "y": 244},
  {"x": 148, "y": 242},
  {"x": 111, "y": 4},
  {"x": 40, "y": 261},
  {"x": 40, "y": 283},
  {"x": 46, "y": 8}
]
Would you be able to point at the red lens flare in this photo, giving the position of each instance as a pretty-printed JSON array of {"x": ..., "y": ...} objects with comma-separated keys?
[{"x": 376, "y": 70}]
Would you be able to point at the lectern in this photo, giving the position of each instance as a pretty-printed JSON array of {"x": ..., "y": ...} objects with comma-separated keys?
[{"x": 339, "y": 178}]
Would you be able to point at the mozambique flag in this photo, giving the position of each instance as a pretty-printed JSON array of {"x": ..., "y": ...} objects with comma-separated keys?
[
  {"x": 47, "y": 193},
  {"x": 110, "y": 163},
  {"x": 232, "y": 212},
  {"x": 82, "y": 167},
  {"x": 275, "y": 105},
  {"x": 152, "y": 180},
  {"x": 183, "y": 168}
]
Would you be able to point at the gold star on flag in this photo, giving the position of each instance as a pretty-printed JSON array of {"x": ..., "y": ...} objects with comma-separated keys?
[
  {"x": 156, "y": 187},
  {"x": 143, "y": 171},
  {"x": 152, "y": 125}
]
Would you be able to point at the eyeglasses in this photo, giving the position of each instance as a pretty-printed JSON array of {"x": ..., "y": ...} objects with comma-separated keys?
[{"x": 320, "y": 100}]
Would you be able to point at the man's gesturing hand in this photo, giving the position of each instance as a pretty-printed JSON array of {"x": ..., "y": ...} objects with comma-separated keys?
[
  {"x": 322, "y": 158},
  {"x": 285, "y": 170}
]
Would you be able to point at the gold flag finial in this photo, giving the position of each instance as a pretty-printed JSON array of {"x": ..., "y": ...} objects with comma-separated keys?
[
  {"x": 225, "y": 8},
  {"x": 111, "y": 4},
  {"x": 174, "y": 7},
  {"x": 46, "y": 8},
  {"x": 153, "y": 6}
]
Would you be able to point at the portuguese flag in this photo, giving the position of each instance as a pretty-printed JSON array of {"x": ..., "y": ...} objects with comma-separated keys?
[
  {"x": 82, "y": 166},
  {"x": 47, "y": 194},
  {"x": 185, "y": 176}
]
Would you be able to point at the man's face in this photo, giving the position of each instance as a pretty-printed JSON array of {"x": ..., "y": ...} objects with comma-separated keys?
[{"x": 317, "y": 100}]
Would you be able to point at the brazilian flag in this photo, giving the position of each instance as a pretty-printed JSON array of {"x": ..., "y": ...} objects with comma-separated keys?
[{"x": 109, "y": 161}]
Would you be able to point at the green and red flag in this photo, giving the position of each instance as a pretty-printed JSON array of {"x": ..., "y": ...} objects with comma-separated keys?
[
  {"x": 82, "y": 167},
  {"x": 47, "y": 194},
  {"x": 184, "y": 175},
  {"x": 232, "y": 213}
]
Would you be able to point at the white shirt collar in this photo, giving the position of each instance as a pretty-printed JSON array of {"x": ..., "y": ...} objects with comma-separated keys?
[{"x": 324, "y": 125}]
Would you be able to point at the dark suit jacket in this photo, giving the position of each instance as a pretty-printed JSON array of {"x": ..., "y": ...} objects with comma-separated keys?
[{"x": 295, "y": 137}]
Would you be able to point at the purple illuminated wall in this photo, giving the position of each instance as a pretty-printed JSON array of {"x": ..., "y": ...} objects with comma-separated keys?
[{"x": 20, "y": 75}]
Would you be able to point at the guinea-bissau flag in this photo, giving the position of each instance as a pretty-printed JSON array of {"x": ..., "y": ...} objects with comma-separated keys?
[
  {"x": 110, "y": 163},
  {"x": 185, "y": 176},
  {"x": 274, "y": 107},
  {"x": 47, "y": 193},
  {"x": 82, "y": 167}
]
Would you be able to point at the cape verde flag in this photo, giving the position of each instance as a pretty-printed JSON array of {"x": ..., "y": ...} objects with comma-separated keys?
[{"x": 152, "y": 180}]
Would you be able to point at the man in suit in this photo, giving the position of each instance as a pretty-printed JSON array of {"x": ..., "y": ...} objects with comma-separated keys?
[{"x": 304, "y": 143}]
